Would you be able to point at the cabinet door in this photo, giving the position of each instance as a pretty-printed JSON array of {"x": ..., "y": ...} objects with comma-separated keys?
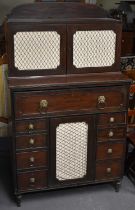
[
  {"x": 94, "y": 47},
  {"x": 36, "y": 49},
  {"x": 72, "y": 150}
]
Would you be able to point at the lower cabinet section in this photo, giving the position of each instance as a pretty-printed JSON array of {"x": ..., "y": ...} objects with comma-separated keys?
[{"x": 75, "y": 138}]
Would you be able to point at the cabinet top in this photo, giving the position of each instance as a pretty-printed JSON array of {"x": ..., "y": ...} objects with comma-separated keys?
[{"x": 52, "y": 12}]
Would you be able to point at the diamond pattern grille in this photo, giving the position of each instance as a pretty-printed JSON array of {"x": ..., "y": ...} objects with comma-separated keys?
[
  {"x": 94, "y": 48},
  {"x": 71, "y": 150},
  {"x": 37, "y": 50}
]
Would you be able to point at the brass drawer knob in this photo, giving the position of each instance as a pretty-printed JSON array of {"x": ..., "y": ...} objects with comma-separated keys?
[
  {"x": 32, "y": 159},
  {"x": 43, "y": 104},
  {"x": 111, "y": 134},
  {"x": 109, "y": 151},
  {"x": 101, "y": 99},
  {"x": 31, "y": 126},
  {"x": 31, "y": 142},
  {"x": 108, "y": 170},
  {"x": 112, "y": 119},
  {"x": 32, "y": 180}
]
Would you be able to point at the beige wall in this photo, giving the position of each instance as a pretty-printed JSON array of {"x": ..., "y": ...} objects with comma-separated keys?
[{"x": 108, "y": 4}]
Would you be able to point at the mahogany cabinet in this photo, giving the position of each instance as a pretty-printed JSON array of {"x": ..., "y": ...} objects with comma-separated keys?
[{"x": 69, "y": 99}]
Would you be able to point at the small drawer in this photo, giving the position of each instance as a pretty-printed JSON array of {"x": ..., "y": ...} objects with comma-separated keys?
[
  {"x": 31, "y": 141},
  {"x": 111, "y": 133},
  {"x": 110, "y": 150},
  {"x": 32, "y": 180},
  {"x": 111, "y": 119},
  {"x": 27, "y": 160},
  {"x": 31, "y": 126},
  {"x": 37, "y": 103},
  {"x": 108, "y": 170}
]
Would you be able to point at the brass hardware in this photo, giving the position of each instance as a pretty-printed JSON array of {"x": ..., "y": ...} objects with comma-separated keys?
[
  {"x": 31, "y": 141},
  {"x": 32, "y": 159},
  {"x": 101, "y": 99},
  {"x": 31, "y": 126},
  {"x": 111, "y": 134},
  {"x": 43, "y": 104},
  {"x": 32, "y": 180},
  {"x": 109, "y": 151},
  {"x": 108, "y": 170},
  {"x": 112, "y": 119}
]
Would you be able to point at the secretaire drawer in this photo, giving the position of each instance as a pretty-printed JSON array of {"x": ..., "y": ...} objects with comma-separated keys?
[
  {"x": 41, "y": 102},
  {"x": 32, "y": 180},
  {"x": 31, "y": 141},
  {"x": 110, "y": 150},
  {"x": 110, "y": 119},
  {"x": 111, "y": 133},
  {"x": 31, "y": 125},
  {"x": 108, "y": 169},
  {"x": 32, "y": 159}
]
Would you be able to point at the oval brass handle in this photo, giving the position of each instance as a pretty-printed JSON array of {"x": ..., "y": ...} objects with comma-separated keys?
[
  {"x": 101, "y": 99},
  {"x": 43, "y": 104},
  {"x": 32, "y": 159},
  {"x": 109, "y": 151},
  {"x": 108, "y": 170},
  {"x": 31, "y": 126},
  {"x": 32, "y": 180},
  {"x": 31, "y": 142},
  {"x": 111, "y": 134},
  {"x": 112, "y": 119}
]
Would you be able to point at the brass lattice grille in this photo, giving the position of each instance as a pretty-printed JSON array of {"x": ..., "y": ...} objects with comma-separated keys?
[
  {"x": 71, "y": 150},
  {"x": 37, "y": 50},
  {"x": 94, "y": 48}
]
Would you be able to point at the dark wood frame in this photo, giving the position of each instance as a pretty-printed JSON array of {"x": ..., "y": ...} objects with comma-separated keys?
[
  {"x": 97, "y": 25},
  {"x": 54, "y": 122},
  {"x": 23, "y": 27}
]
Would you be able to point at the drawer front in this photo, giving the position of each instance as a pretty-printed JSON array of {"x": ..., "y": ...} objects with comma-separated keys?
[
  {"x": 111, "y": 133},
  {"x": 32, "y": 180},
  {"x": 31, "y": 141},
  {"x": 32, "y": 159},
  {"x": 110, "y": 150},
  {"x": 108, "y": 170},
  {"x": 111, "y": 118},
  {"x": 31, "y": 125},
  {"x": 37, "y": 103}
]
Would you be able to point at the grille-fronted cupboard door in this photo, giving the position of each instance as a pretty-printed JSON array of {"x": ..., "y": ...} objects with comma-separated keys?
[
  {"x": 36, "y": 49},
  {"x": 93, "y": 47},
  {"x": 72, "y": 150}
]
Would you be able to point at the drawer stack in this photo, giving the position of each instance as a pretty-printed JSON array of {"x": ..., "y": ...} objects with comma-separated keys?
[
  {"x": 32, "y": 154},
  {"x": 111, "y": 131}
]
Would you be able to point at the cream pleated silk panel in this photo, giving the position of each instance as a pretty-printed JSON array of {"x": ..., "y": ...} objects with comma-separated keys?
[{"x": 4, "y": 101}]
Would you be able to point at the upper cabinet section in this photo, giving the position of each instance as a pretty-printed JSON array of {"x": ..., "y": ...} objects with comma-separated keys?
[{"x": 61, "y": 38}]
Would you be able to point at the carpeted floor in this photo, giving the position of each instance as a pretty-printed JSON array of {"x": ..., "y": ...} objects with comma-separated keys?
[{"x": 97, "y": 197}]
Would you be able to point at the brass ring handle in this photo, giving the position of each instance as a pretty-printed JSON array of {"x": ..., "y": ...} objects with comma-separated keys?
[
  {"x": 43, "y": 104},
  {"x": 101, "y": 102},
  {"x": 101, "y": 99}
]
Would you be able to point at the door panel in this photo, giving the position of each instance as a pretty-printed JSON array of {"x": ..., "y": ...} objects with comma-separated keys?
[
  {"x": 72, "y": 149},
  {"x": 38, "y": 49},
  {"x": 94, "y": 47}
]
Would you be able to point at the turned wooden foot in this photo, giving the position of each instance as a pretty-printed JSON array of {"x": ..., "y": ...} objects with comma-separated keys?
[{"x": 18, "y": 200}]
